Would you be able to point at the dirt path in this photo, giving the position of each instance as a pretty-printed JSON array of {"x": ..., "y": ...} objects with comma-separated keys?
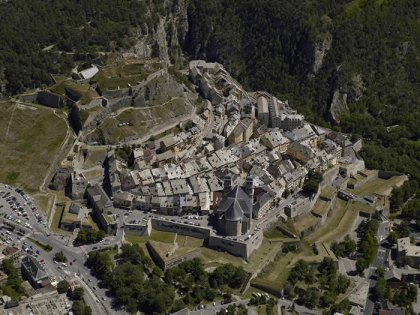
[
  {"x": 121, "y": 110},
  {"x": 9, "y": 124}
]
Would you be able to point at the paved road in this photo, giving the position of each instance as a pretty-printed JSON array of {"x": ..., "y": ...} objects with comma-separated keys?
[
  {"x": 76, "y": 271},
  {"x": 381, "y": 260},
  {"x": 89, "y": 297}
]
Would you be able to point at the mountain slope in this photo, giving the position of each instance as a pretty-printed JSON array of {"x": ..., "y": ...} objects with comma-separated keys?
[{"x": 354, "y": 63}]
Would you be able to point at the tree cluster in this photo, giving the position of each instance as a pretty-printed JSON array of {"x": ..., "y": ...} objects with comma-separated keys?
[
  {"x": 73, "y": 32},
  {"x": 344, "y": 248},
  {"x": 125, "y": 152},
  {"x": 400, "y": 195},
  {"x": 63, "y": 286},
  {"x": 402, "y": 296},
  {"x": 79, "y": 306},
  {"x": 138, "y": 286},
  {"x": 411, "y": 210},
  {"x": 369, "y": 245},
  {"x": 13, "y": 286},
  {"x": 90, "y": 236},
  {"x": 228, "y": 274},
  {"x": 234, "y": 309},
  {"x": 399, "y": 231},
  {"x": 60, "y": 256},
  {"x": 127, "y": 280},
  {"x": 315, "y": 287},
  {"x": 196, "y": 284},
  {"x": 311, "y": 185},
  {"x": 262, "y": 300}
]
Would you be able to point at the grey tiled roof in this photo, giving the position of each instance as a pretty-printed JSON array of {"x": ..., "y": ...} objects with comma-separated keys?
[{"x": 235, "y": 205}]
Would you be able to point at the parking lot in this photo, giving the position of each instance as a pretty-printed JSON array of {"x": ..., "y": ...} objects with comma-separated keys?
[{"x": 19, "y": 207}]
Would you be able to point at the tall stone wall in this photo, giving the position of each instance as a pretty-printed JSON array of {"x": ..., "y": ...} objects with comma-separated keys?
[
  {"x": 363, "y": 181},
  {"x": 181, "y": 229},
  {"x": 357, "y": 146},
  {"x": 329, "y": 176}
]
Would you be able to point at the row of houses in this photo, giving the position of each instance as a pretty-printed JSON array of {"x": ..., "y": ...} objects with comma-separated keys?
[
  {"x": 277, "y": 156},
  {"x": 273, "y": 160}
]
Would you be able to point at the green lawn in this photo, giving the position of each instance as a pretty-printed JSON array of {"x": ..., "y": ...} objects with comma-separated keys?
[{"x": 30, "y": 136}]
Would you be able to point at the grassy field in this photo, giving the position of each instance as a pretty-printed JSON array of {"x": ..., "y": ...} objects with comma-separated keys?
[
  {"x": 321, "y": 206},
  {"x": 331, "y": 224},
  {"x": 306, "y": 221},
  {"x": 214, "y": 258},
  {"x": 164, "y": 237},
  {"x": 142, "y": 119},
  {"x": 29, "y": 139}
]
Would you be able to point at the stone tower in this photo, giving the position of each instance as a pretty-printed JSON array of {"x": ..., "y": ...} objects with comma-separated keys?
[
  {"x": 227, "y": 183},
  {"x": 249, "y": 187}
]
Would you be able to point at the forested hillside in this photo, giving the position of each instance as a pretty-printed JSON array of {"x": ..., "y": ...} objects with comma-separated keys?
[
  {"x": 361, "y": 55},
  {"x": 352, "y": 65},
  {"x": 40, "y": 38}
]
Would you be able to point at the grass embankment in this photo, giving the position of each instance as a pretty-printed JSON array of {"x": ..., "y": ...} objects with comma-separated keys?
[
  {"x": 84, "y": 90},
  {"x": 55, "y": 223},
  {"x": 43, "y": 202},
  {"x": 379, "y": 186},
  {"x": 30, "y": 137}
]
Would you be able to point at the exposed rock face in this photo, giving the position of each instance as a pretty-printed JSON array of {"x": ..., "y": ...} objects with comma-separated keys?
[
  {"x": 352, "y": 93},
  {"x": 321, "y": 47},
  {"x": 165, "y": 40},
  {"x": 157, "y": 90},
  {"x": 338, "y": 106}
]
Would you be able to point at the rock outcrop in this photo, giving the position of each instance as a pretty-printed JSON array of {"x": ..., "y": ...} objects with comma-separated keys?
[
  {"x": 342, "y": 96},
  {"x": 321, "y": 47}
]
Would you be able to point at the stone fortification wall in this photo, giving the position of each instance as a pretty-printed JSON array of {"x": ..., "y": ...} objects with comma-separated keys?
[{"x": 329, "y": 176}]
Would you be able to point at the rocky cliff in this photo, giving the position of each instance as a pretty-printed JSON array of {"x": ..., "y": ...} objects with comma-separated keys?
[
  {"x": 166, "y": 38},
  {"x": 343, "y": 95},
  {"x": 321, "y": 46}
]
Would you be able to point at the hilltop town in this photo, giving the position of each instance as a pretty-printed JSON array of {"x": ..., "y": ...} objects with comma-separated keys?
[
  {"x": 232, "y": 177},
  {"x": 243, "y": 161}
]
